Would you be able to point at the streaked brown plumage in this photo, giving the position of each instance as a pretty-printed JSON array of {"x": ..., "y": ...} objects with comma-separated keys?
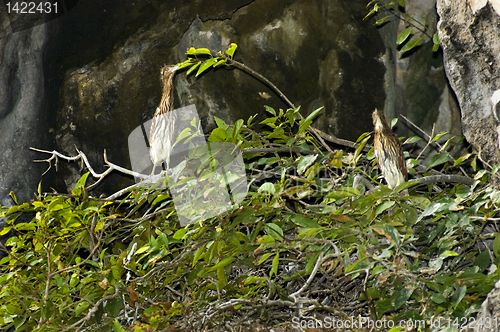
[
  {"x": 161, "y": 134},
  {"x": 388, "y": 151}
]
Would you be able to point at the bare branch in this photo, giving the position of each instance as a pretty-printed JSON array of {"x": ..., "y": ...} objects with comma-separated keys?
[
  {"x": 319, "y": 262},
  {"x": 446, "y": 178},
  {"x": 81, "y": 156},
  {"x": 94, "y": 309}
]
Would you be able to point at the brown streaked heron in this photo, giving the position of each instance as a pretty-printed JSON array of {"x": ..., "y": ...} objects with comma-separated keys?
[
  {"x": 161, "y": 134},
  {"x": 389, "y": 152}
]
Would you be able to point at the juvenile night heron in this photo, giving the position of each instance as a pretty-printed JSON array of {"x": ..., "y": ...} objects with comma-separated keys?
[
  {"x": 161, "y": 135},
  {"x": 388, "y": 151}
]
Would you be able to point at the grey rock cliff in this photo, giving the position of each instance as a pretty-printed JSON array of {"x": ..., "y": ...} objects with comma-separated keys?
[
  {"x": 22, "y": 111},
  {"x": 469, "y": 32}
]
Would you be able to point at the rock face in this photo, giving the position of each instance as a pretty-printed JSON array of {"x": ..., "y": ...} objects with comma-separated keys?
[
  {"x": 489, "y": 314},
  {"x": 469, "y": 34},
  {"x": 22, "y": 114},
  {"x": 22, "y": 111},
  {"x": 319, "y": 53}
]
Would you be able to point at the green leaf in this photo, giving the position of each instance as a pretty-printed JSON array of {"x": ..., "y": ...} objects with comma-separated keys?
[
  {"x": 462, "y": 159},
  {"x": 305, "y": 161},
  {"x": 237, "y": 129},
  {"x": 266, "y": 239},
  {"x": 114, "y": 306},
  {"x": 362, "y": 136},
  {"x": 438, "y": 159},
  {"x": 346, "y": 192},
  {"x": 180, "y": 233},
  {"x": 14, "y": 198},
  {"x": 384, "y": 206},
  {"x": 185, "y": 133},
  {"x": 435, "y": 38},
  {"x": 218, "y": 135},
  {"x": 401, "y": 3},
  {"x": 276, "y": 261},
  {"x": 226, "y": 261},
  {"x": 405, "y": 185},
  {"x": 205, "y": 65},
  {"x": 270, "y": 122},
  {"x": 359, "y": 149},
  {"x": 448, "y": 253},
  {"x": 404, "y": 35},
  {"x": 305, "y": 222},
  {"x": 274, "y": 230},
  {"x": 435, "y": 41},
  {"x": 74, "y": 280},
  {"x": 267, "y": 188},
  {"x": 445, "y": 204},
  {"x": 19, "y": 321},
  {"x": 396, "y": 329},
  {"x": 412, "y": 140},
  {"x": 382, "y": 20},
  {"x": 411, "y": 44},
  {"x": 5, "y": 230},
  {"x": 270, "y": 110},
  {"x": 391, "y": 234},
  {"x": 81, "y": 307},
  {"x": 438, "y": 136},
  {"x": 305, "y": 123},
  {"x": 420, "y": 201},
  {"x": 220, "y": 123},
  {"x": 187, "y": 63},
  {"x": 196, "y": 51},
  {"x": 80, "y": 184},
  {"x": 394, "y": 122},
  {"x": 448, "y": 141},
  {"x": 482, "y": 260},
  {"x": 369, "y": 14},
  {"x": 402, "y": 296},
  {"x": 496, "y": 245},
  {"x": 495, "y": 169},
  {"x": 190, "y": 70},
  {"x": 220, "y": 62},
  {"x": 264, "y": 257},
  {"x": 117, "y": 327},
  {"x": 473, "y": 163},
  {"x": 232, "y": 48},
  {"x": 459, "y": 295},
  {"x": 313, "y": 114},
  {"x": 438, "y": 298},
  {"x": 142, "y": 249}
]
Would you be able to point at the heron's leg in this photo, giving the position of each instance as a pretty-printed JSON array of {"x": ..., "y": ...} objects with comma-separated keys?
[{"x": 153, "y": 170}]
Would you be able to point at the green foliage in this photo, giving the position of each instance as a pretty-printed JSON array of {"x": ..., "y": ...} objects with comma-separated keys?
[
  {"x": 82, "y": 261},
  {"x": 405, "y": 37},
  {"x": 202, "y": 59}
]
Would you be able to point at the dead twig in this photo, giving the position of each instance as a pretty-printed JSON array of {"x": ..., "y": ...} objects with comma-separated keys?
[{"x": 81, "y": 156}]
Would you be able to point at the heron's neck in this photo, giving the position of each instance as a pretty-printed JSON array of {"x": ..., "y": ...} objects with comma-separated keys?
[
  {"x": 379, "y": 125},
  {"x": 167, "y": 99}
]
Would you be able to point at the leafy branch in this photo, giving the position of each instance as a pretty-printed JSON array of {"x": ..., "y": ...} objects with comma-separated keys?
[
  {"x": 404, "y": 38},
  {"x": 194, "y": 63}
]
